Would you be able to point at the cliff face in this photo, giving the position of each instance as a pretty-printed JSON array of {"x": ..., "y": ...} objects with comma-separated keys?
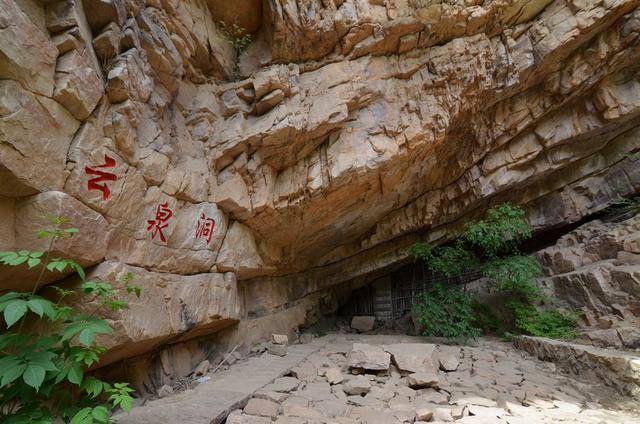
[{"x": 239, "y": 183}]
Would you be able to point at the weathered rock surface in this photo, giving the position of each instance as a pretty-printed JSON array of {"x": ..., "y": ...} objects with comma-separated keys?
[
  {"x": 541, "y": 394},
  {"x": 620, "y": 370},
  {"x": 367, "y": 357},
  {"x": 315, "y": 155},
  {"x": 171, "y": 307},
  {"x": 593, "y": 269}
]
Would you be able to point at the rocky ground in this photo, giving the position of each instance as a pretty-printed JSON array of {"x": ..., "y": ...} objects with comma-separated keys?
[{"x": 398, "y": 379}]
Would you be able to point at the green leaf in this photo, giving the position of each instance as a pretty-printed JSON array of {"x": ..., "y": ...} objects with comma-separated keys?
[
  {"x": 83, "y": 416},
  {"x": 14, "y": 311},
  {"x": 43, "y": 359},
  {"x": 12, "y": 374},
  {"x": 15, "y": 261},
  {"x": 36, "y": 307},
  {"x": 75, "y": 374},
  {"x": 79, "y": 270},
  {"x": 46, "y": 307},
  {"x": 100, "y": 414},
  {"x": 87, "y": 337},
  {"x": 92, "y": 386},
  {"x": 32, "y": 262},
  {"x": 9, "y": 296},
  {"x": 34, "y": 375}
]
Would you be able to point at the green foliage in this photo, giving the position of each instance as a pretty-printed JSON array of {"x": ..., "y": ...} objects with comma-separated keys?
[
  {"x": 236, "y": 35},
  {"x": 446, "y": 260},
  {"x": 503, "y": 229},
  {"x": 535, "y": 322},
  {"x": 446, "y": 312},
  {"x": 515, "y": 276},
  {"x": 43, "y": 365},
  {"x": 485, "y": 318},
  {"x": 496, "y": 239}
]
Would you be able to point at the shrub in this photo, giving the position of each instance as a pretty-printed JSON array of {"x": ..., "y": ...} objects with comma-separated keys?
[
  {"x": 496, "y": 239},
  {"x": 447, "y": 260},
  {"x": 446, "y": 312},
  {"x": 503, "y": 229},
  {"x": 43, "y": 364},
  {"x": 552, "y": 323},
  {"x": 236, "y": 35}
]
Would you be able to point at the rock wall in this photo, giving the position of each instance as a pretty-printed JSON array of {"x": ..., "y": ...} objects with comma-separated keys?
[
  {"x": 596, "y": 269},
  {"x": 240, "y": 184}
]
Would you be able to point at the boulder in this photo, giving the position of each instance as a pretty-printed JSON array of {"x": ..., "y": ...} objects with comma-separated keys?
[
  {"x": 420, "y": 380},
  {"x": 261, "y": 408},
  {"x": 277, "y": 349},
  {"x": 368, "y": 357},
  {"x": 448, "y": 359},
  {"x": 279, "y": 339},
  {"x": 424, "y": 414},
  {"x": 360, "y": 385},
  {"x": 284, "y": 385},
  {"x": 334, "y": 376},
  {"x": 414, "y": 357},
  {"x": 363, "y": 323}
]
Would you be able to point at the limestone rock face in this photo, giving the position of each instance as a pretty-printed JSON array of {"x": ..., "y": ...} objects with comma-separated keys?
[
  {"x": 171, "y": 307},
  {"x": 315, "y": 154}
]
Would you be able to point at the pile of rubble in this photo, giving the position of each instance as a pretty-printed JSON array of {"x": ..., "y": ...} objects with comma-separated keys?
[{"x": 393, "y": 379}]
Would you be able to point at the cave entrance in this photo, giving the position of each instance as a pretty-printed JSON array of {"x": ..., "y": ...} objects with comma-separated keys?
[{"x": 393, "y": 295}]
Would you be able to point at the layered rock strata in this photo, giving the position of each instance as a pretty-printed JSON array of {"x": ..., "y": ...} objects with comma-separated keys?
[{"x": 312, "y": 157}]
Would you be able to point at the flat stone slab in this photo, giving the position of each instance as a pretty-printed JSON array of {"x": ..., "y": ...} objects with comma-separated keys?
[
  {"x": 210, "y": 402},
  {"x": 617, "y": 369}
]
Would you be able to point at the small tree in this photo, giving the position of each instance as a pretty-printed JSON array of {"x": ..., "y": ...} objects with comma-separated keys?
[
  {"x": 492, "y": 245},
  {"x": 49, "y": 346}
]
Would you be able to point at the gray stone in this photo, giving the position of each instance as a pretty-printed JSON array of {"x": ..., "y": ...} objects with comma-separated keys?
[
  {"x": 363, "y": 323},
  {"x": 414, "y": 357},
  {"x": 359, "y": 385},
  {"x": 368, "y": 357},
  {"x": 277, "y": 349},
  {"x": 261, "y": 408},
  {"x": 420, "y": 380}
]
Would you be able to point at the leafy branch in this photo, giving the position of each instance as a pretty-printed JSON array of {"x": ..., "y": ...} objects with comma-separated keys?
[{"x": 43, "y": 365}]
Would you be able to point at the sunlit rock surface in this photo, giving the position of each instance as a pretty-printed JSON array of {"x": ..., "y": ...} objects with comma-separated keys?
[{"x": 314, "y": 155}]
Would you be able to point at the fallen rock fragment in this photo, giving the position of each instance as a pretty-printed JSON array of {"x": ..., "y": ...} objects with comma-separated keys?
[
  {"x": 363, "y": 323},
  {"x": 165, "y": 391},
  {"x": 277, "y": 349},
  {"x": 261, "y": 408},
  {"x": 279, "y": 339},
  {"x": 357, "y": 386},
  {"x": 421, "y": 380},
  {"x": 448, "y": 361},
  {"x": 284, "y": 385},
  {"x": 423, "y": 414},
  {"x": 202, "y": 368},
  {"x": 334, "y": 376},
  {"x": 368, "y": 357},
  {"x": 414, "y": 357}
]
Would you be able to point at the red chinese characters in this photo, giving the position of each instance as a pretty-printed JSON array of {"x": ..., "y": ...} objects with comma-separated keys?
[
  {"x": 163, "y": 214},
  {"x": 205, "y": 227},
  {"x": 101, "y": 177}
]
